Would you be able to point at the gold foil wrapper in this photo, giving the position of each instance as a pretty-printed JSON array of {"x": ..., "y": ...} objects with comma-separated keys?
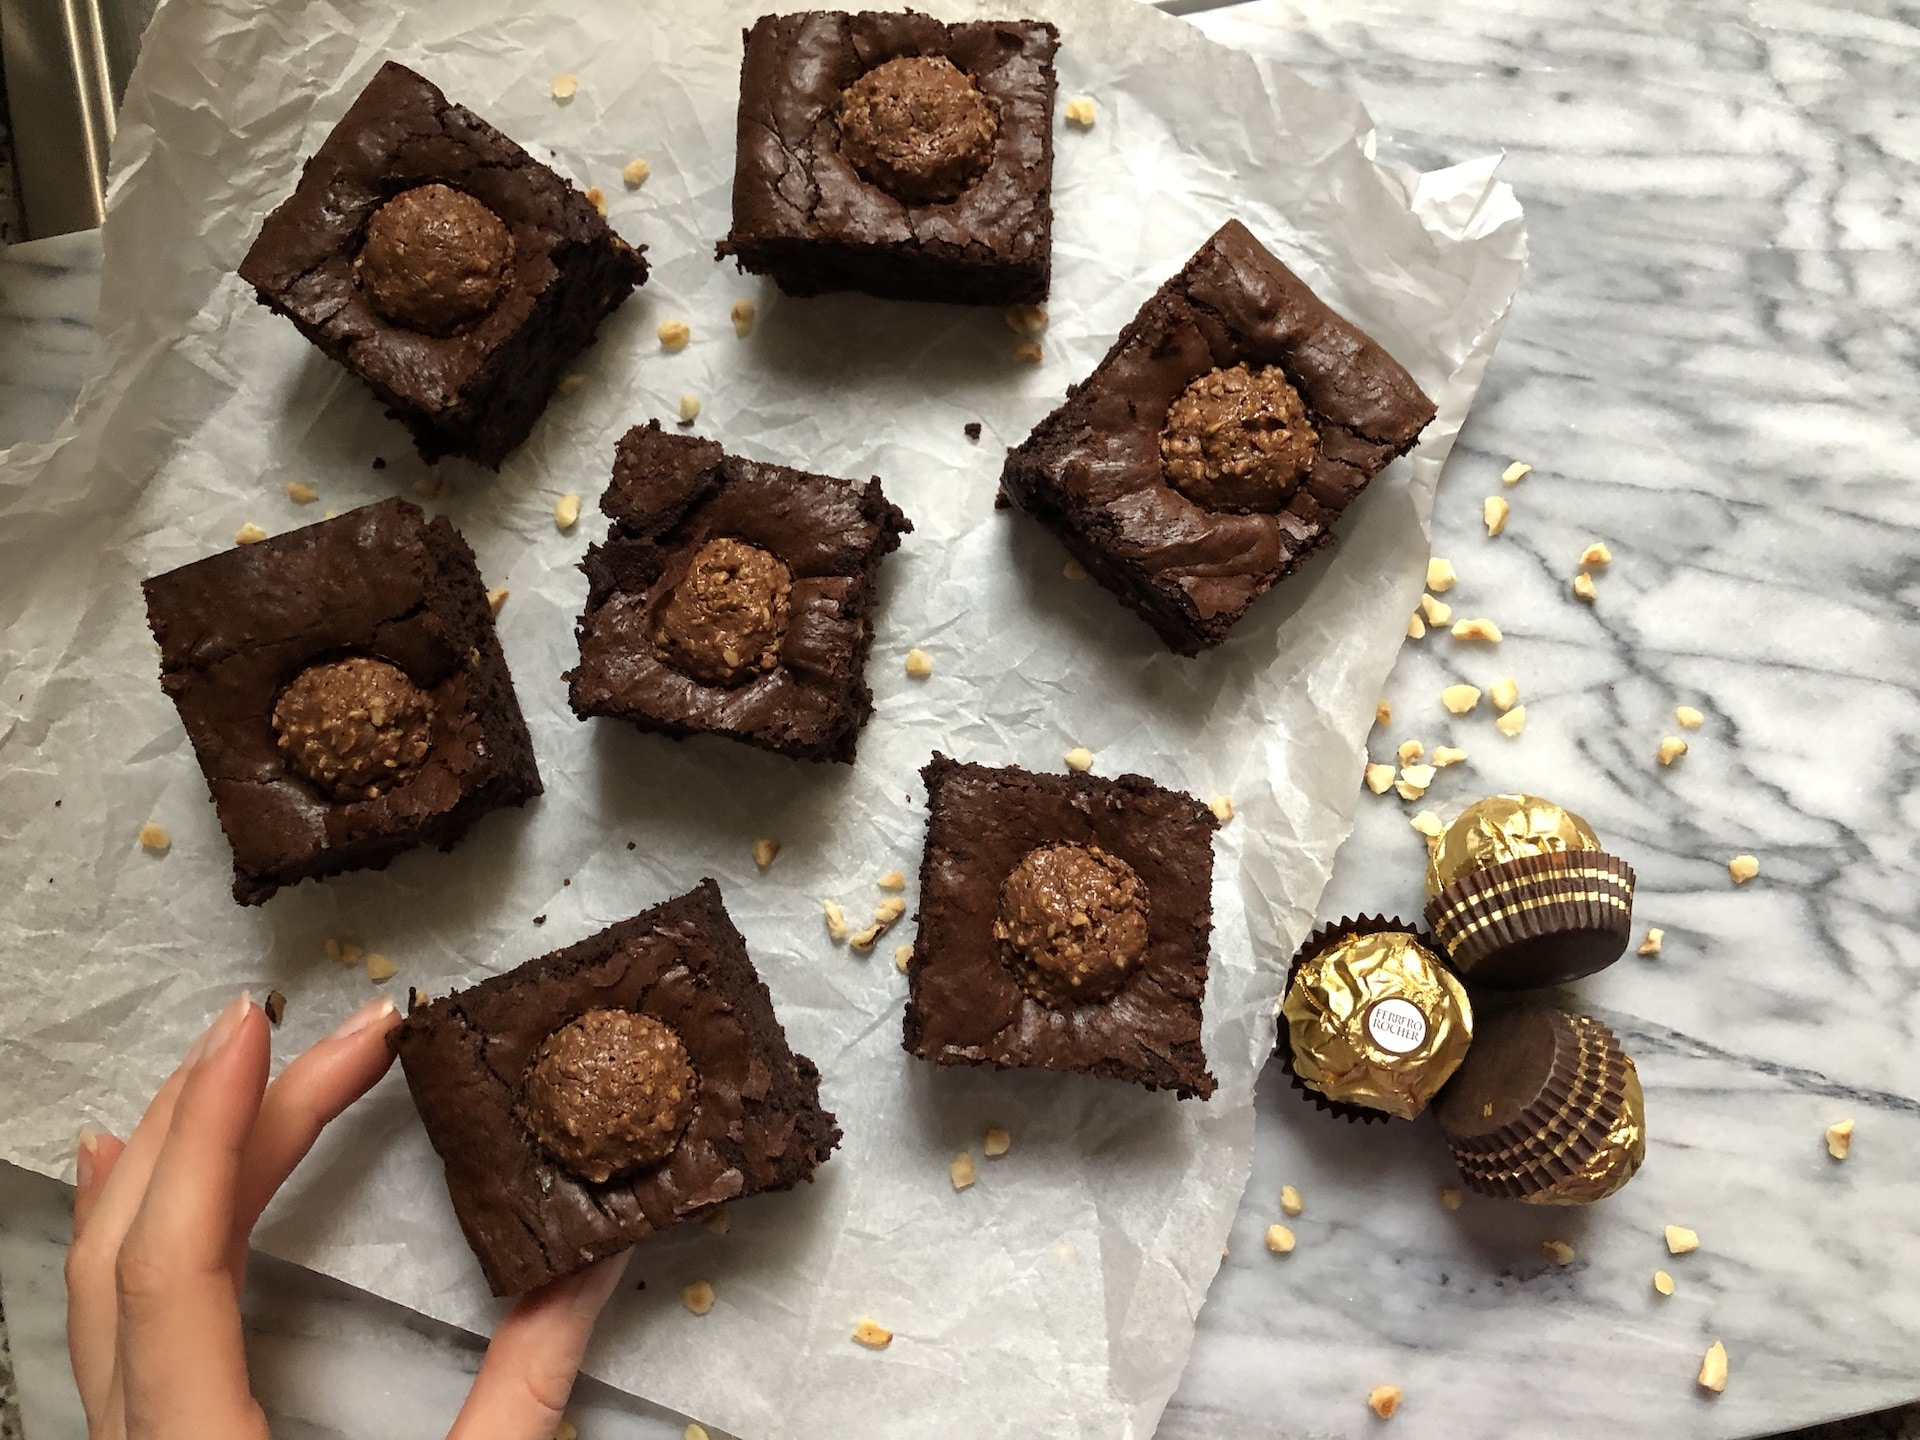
[
  {"x": 1377, "y": 1020},
  {"x": 1504, "y": 827},
  {"x": 1614, "y": 1163}
]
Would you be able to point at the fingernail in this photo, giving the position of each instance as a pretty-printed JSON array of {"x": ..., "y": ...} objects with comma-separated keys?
[
  {"x": 598, "y": 1284},
  {"x": 373, "y": 1013},
  {"x": 85, "y": 1152},
  {"x": 226, "y": 1027}
]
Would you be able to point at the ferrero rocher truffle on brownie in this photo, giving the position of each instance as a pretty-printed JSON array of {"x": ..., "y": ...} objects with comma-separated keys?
[
  {"x": 1372, "y": 1021},
  {"x": 1545, "y": 1109},
  {"x": 1522, "y": 896}
]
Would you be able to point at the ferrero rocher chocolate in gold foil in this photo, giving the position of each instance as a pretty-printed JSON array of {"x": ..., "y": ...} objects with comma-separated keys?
[
  {"x": 1614, "y": 1163},
  {"x": 1376, "y": 1020},
  {"x": 1504, "y": 827}
]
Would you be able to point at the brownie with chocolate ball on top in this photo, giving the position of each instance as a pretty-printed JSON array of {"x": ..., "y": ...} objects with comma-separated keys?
[
  {"x": 610, "y": 1090},
  {"x": 1065, "y": 924},
  {"x": 896, "y": 155},
  {"x": 345, "y": 693},
  {"x": 733, "y": 598},
  {"x": 442, "y": 265},
  {"x": 1210, "y": 452}
]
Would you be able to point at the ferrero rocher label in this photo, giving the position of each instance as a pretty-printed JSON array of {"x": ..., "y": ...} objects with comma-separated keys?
[
  {"x": 1504, "y": 827},
  {"x": 1613, "y": 1164},
  {"x": 1377, "y": 1020}
]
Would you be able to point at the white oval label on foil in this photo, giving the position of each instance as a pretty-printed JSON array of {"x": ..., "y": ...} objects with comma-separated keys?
[{"x": 1397, "y": 1026}]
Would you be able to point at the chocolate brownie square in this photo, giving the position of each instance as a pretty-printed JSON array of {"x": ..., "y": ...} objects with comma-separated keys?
[
  {"x": 441, "y": 264},
  {"x": 344, "y": 691},
  {"x": 1212, "y": 449},
  {"x": 1064, "y": 924},
  {"x": 596, "y": 1095},
  {"x": 732, "y": 598},
  {"x": 889, "y": 153}
]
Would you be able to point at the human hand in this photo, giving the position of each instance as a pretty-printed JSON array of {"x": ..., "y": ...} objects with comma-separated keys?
[{"x": 159, "y": 1253}]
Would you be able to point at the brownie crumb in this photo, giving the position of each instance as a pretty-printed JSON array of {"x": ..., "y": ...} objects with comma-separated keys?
[
  {"x": 539, "y": 919},
  {"x": 973, "y": 429},
  {"x": 379, "y": 462}
]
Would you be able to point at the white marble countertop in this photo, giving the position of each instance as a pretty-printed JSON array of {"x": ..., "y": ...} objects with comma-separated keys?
[{"x": 1711, "y": 368}]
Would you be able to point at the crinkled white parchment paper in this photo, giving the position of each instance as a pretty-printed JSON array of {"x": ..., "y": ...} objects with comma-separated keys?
[{"x": 1057, "y": 1296}]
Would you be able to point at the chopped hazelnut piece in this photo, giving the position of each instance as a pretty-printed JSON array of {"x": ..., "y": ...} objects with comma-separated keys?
[
  {"x": 1026, "y": 319},
  {"x": 1493, "y": 510},
  {"x": 1074, "y": 570},
  {"x": 1438, "y": 612},
  {"x": 1512, "y": 723},
  {"x": 571, "y": 383},
  {"x": 836, "y": 920},
  {"x": 694, "y": 1432},
  {"x": 154, "y": 839},
  {"x": 1416, "y": 628},
  {"x": 597, "y": 198},
  {"x": 1382, "y": 713},
  {"x": 1672, "y": 747},
  {"x": 1379, "y": 778},
  {"x": 1713, "y": 1368},
  {"x": 565, "y": 1430},
  {"x": 1428, "y": 824},
  {"x": 565, "y": 87},
  {"x": 1440, "y": 575},
  {"x": 961, "y": 1171},
  {"x": 902, "y": 957},
  {"x": 1279, "y": 1239},
  {"x": 249, "y": 534},
  {"x": 1222, "y": 808},
  {"x": 566, "y": 511},
  {"x": 673, "y": 334},
  {"x": 996, "y": 1143},
  {"x": 1743, "y": 868},
  {"x": 1689, "y": 718},
  {"x": 1445, "y": 755},
  {"x": 919, "y": 663},
  {"x": 1505, "y": 694},
  {"x": 689, "y": 409},
  {"x": 1663, "y": 1282},
  {"x": 1079, "y": 759},
  {"x": 1413, "y": 781},
  {"x": 275, "y": 1007},
  {"x": 1840, "y": 1139},
  {"x": 874, "y": 1337},
  {"x": 1383, "y": 1400},
  {"x": 1481, "y": 629},
  {"x": 634, "y": 173},
  {"x": 1409, "y": 751},
  {"x": 742, "y": 316},
  {"x": 497, "y": 597},
  {"x": 1080, "y": 112},
  {"x": 416, "y": 997},
  {"x": 1583, "y": 588},
  {"x": 764, "y": 852},
  {"x": 698, "y": 1297},
  {"x": 1651, "y": 945},
  {"x": 1558, "y": 1251},
  {"x": 863, "y": 939},
  {"x": 1596, "y": 554},
  {"x": 431, "y": 487},
  {"x": 301, "y": 493},
  {"x": 1028, "y": 352},
  {"x": 1681, "y": 1240},
  {"x": 1515, "y": 473},
  {"x": 892, "y": 880},
  {"x": 889, "y": 910},
  {"x": 1290, "y": 1201},
  {"x": 718, "y": 1221},
  {"x": 380, "y": 969},
  {"x": 1460, "y": 699},
  {"x": 1450, "y": 1197}
]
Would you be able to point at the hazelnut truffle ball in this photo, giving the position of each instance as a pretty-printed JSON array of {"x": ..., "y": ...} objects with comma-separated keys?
[
  {"x": 724, "y": 621},
  {"x": 435, "y": 259},
  {"x": 1072, "y": 923},
  {"x": 918, "y": 127},
  {"x": 1238, "y": 440},
  {"x": 609, "y": 1092},
  {"x": 355, "y": 727}
]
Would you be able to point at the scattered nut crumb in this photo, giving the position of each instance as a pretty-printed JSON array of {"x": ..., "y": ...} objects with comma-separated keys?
[
  {"x": 1558, "y": 1251},
  {"x": 1413, "y": 781},
  {"x": 1479, "y": 629},
  {"x": 570, "y": 383},
  {"x": 1583, "y": 588},
  {"x": 889, "y": 910},
  {"x": 1290, "y": 1201},
  {"x": 1074, "y": 570},
  {"x": 1596, "y": 554},
  {"x": 565, "y": 1431},
  {"x": 1515, "y": 473},
  {"x": 742, "y": 316},
  {"x": 1450, "y": 1197},
  {"x": 1222, "y": 808},
  {"x": 565, "y": 86},
  {"x": 1028, "y": 352},
  {"x": 380, "y": 969},
  {"x": 836, "y": 920},
  {"x": 1080, "y": 112},
  {"x": 1743, "y": 868},
  {"x": 1409, "y": 751},
  {"x": 597, "y": 198},
  {"x": 275, "y": 1006},
  {"x": 718, "y": 1221},
  {"x": 1505, "y": 694},
  {"x": 1383, "y": 1400},
  {"x": 996, "y": 1143},
  {"x": 431, "y": 487},
  {"x": 1079, "y": 759},
  {"x": 961, "y": 1171},
  {"x": 1512, "y": 723},
  {"x": 919, "y": 663},
  {"x": 1445, "y": 755},
  {"x": 416, "y": 997},
  {"x": 634, "y": 173},
  {"x": 1494, "y": 510},
  {"x": 1672, "y": 747},
  {"x": 902, "y": 957},
  {"x": 892, "y": 880},
  {"x": 566, "y": 511},
  {"x": 1689, "y": 718},
  {"x": 874, "y": 1337},
  {"x": 674, "y": 334},
  {"x": 1382, "y": 713},
  {"x": 1840, "y": 1139},
  {"x": 1416, "y": 628},
  {"x": 1651, "y": 945},
  {"x": 1026, "y": 319},
  {"x": 497, "y": 597},
  {"x": 342, "y": 953},
  {"x": 249, "y": 534},
  {"x": 689, "y": 409},
  {"x": 1440, "y": 575},
  {"x": 1713, "y": 1368},
  {"x": 1379, "y": 778},
  {"x": 1438, "y": 612},
  {"x": 1428, "y": 824},
  {"x": 863, "y": 939},
  {"x": 1460, "y": 699},
  {"x": 1681, "y": 1240},
  {"x": 154, "y": 839},
  {"x": 698, "y": 1297},
  {"x": 301, "y": 493},
  {"x": 1663, "y": 1282},
  {"x": 1280, "y": 1239},
  {"x": 694, "y": 1432},
  {"x": 764, "y": 852}
]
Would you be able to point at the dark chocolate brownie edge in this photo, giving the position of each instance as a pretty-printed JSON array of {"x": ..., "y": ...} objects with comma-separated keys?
[{"x": 804, "y": 268}]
